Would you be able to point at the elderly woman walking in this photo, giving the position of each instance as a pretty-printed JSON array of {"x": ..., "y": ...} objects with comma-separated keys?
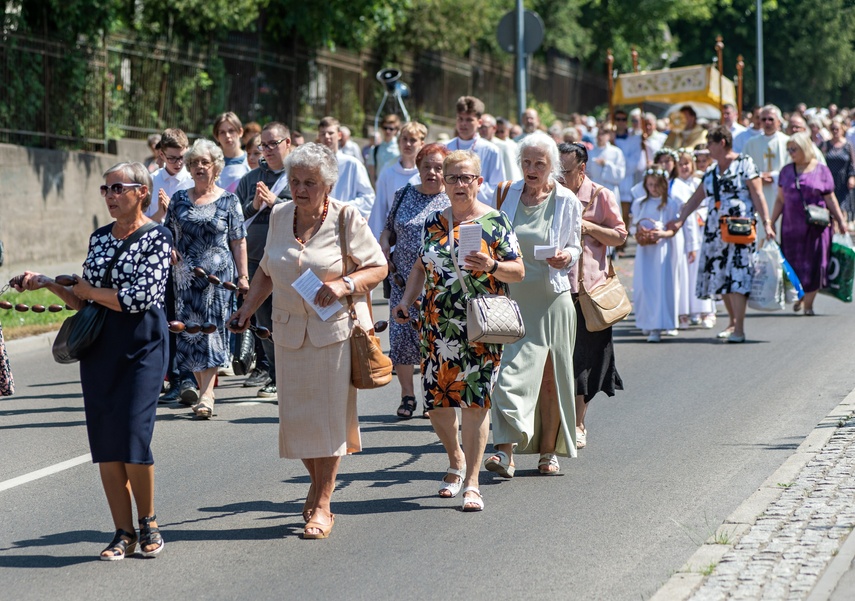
[
  {"x": 318, "y": 420},
  {"x": 534, "y": 402},
  {"x": 457, "y": 373},
  {"x": 207, "y": 225},
  {"x": 122, "y": 372}
]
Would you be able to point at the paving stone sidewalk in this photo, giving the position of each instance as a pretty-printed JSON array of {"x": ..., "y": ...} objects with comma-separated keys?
[{"x": 778, "y": 543}]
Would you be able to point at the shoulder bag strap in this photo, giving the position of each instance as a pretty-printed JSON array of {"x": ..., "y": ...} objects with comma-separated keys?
[
  {"x": 799, "y": 186},
  {"x": 126, "y": 244},
  {"x": 351, "y": 308},
  {"x": 398, "y": 203},
  {"x": 715, "y": 188},
  {"x": 460, "y": 276},
  {"x": 597, "y": 190}
]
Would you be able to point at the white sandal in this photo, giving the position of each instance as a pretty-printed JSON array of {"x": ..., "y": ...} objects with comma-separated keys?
[
  {"x": 502, "y": 467},
  {"x": 452, "y": 487},
  {"x": 548, "y": 460},
  {"x": 476, "y": 504}
]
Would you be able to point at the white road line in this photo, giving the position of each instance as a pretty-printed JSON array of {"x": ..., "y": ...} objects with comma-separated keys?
[{"x": 47, "y": 471}]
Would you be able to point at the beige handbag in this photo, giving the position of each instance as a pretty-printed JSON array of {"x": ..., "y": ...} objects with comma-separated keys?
[
  {"x": 607, "y": 304},
  {"x": 491, "y": 318},
  {"x": 369, "y": 367}
]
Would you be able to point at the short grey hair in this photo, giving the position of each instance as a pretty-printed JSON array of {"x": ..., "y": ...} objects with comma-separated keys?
[
  {"x": 137, "y": 174},
  {"x": 208, "y": 149},
  {"x": 314, "y": 156},
  {"x": 543, "y": 142},
  {"x": 771, "y": 108}
]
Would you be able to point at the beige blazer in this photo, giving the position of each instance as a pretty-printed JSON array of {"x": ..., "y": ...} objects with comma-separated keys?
[{"x": 285, "y": 260}]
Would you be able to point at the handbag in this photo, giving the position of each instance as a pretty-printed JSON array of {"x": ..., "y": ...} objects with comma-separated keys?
[
  {"x": 815, "y": 214},
  {"x": 369, "y": 367},
  {"x": 7, "y": 382},
  {"x": 734, "y": 230},
  {"x": 608, "y": 303},
  {"x": 490, "y": 318},
  {"x": 393, "y": 240},
  {"x": 81, "y": 330},
  {"x": 244, "y": 358}
]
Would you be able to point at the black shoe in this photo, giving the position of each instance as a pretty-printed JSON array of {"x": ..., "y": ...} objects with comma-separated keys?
[
  {"x": 268, "y": 392},
  {"x": 258, "y": 377},
  {"x": 189, "y": 393},
  {"x": 170, "y": 397}
]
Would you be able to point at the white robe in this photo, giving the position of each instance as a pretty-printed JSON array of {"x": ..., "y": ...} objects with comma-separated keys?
[
  {"x": 693, "y": 229},
  {"x": 508, "y": 149},
  {"x": 353, "y": 185},
  {"x": 657, "y": 278},
  {"x": 392, "y": 178},
  {"x": 769, "y": 154},
  {"x": 492, "y": 167},
  {"x": 611, "y": 173},
  {"x": 633, "y": 156}
]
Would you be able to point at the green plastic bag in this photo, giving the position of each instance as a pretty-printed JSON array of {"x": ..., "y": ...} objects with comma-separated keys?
[{"x": 841, "y": 270}]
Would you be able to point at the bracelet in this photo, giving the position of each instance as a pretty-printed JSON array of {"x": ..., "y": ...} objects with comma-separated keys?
[
  {"x": 494, "y": 267},
  {"x": 243, "y": 277}
]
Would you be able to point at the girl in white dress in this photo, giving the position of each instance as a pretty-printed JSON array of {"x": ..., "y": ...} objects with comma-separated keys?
[
  {"x": 701, "y": 311},
  {"x": 657, "y": 279}
]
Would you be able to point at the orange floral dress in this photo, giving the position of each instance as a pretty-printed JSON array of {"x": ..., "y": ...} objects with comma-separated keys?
[{"x": 455, "y": 372}]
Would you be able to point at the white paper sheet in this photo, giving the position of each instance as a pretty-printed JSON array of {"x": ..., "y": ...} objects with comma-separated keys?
[
  {"x": 541, "y": 253},
  {"x": 307, "y": 286},
  {"x": 469, "y": 240}
]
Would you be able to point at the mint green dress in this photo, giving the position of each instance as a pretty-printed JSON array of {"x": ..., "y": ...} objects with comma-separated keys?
[{"x": 550, "y": 326}]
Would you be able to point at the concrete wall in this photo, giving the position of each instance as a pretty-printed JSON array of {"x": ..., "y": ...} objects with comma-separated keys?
[{"x": 50, "y": 203}]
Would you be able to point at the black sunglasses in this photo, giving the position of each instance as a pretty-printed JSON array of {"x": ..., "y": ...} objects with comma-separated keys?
[{"x": 117, "y": 188}]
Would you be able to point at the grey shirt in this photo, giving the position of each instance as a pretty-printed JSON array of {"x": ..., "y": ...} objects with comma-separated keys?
[{"x": 256, "y": 233}]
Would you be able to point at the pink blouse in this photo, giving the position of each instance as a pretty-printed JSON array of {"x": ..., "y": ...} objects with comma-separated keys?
[{"x": 603, "y": 211}]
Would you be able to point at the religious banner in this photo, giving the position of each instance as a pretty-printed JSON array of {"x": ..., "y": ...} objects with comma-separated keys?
[{"x": 674, "y": 86}]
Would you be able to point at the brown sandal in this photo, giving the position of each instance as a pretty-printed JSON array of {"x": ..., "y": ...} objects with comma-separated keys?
[{"x": 325, "y": 529}]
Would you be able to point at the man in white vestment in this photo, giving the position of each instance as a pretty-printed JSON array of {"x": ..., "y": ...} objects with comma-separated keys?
[
  {"x": 606, "y": 164},
  {"x": 352, "y": 185},
  {"x": 630, "y": 145},
  {"x": 769, "y": 152},
  {"x": 469, "y": 112},
  {"x": 508, "y": 148}
]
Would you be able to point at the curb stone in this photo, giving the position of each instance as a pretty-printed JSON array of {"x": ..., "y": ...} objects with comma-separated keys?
[
  {"x": 688, "y": 579},
  {"x": 30, "y": 343}
]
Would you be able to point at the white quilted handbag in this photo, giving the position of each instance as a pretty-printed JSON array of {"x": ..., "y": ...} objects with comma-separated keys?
[{"x": 490, "y": 319}]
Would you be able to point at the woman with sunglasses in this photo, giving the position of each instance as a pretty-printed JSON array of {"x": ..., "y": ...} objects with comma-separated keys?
[
  {"x": 807, "y": 247},
  {"x": 207, "y": 225},
  {"x": 457, "y": 373},
  {"x": 121, "y": 373},
  {"x": 410, "y": 209}
]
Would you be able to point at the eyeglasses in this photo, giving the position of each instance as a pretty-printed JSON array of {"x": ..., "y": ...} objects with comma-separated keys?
[
  {"x": 390, "y": 128},
  {"x": 174, "y": 160},
  {"x": 117, "y": 188},
  {"x": 620, "y": 118},
  {"x": 791, "y": 149},
  {"x": 203, "y": 163},
  {"x": 464, "y": 178},
  {"x": 767, "y": 119},
  {"x": 271, "y": 145}
]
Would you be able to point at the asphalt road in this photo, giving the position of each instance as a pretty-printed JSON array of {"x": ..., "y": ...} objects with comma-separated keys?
[{"x": 698, "y": 429}]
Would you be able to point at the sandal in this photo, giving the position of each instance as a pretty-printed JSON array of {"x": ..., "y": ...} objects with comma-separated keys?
[
  {"x": 204, "y": 408},
  {"x": 581, "y": 437},
  {"x": 150, "y": 536},
  {"x": 500, "y": 463},
  {"x": 407, "y": 407},
  {"x": 547, "y": 461},
  {"x": 472, "y": 504},
  {"x": 325, "y": 529},
  {"x": 428, "y": 408},
  {"x": 797, "y": 306},
  {"x": 119, "y": 546},
  {"x": 452, "y": 488}
]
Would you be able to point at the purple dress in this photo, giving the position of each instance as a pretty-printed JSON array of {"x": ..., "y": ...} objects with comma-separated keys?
[{"x": 806, "y": 247}]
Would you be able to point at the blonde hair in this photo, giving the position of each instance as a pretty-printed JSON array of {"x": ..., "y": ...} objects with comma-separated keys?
[
  {"x": 462, "y": 156},
  {"x": 803, "y": 141},
  {"x": 415, "y": 129}
]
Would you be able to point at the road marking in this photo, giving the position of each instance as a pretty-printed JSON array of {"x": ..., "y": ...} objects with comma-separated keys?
[{"x": 47, "y": 471}]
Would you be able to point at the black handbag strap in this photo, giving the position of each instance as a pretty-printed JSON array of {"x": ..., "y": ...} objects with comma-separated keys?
[
  {"x": 126, "y": 244},
  {"x": 397, "y": 204},
  {"x": 716, "y": 188}
]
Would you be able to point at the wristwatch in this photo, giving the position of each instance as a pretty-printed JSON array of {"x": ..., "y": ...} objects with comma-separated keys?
[
  {"x": 350, "y": 284},
  {"x": 494, "y": 267}
]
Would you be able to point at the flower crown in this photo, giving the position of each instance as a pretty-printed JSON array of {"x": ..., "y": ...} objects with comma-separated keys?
[
  {"x": 656, "y": 171},
  {"x": 669, "y": 151}
]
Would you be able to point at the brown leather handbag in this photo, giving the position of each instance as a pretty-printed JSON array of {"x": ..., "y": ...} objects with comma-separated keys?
[{"x": 369, "y": 367}]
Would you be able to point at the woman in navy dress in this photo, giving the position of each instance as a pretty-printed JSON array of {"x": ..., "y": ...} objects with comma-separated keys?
[
  {"x": 207, "y": 224},
  {"x": 122, "y": 372}
]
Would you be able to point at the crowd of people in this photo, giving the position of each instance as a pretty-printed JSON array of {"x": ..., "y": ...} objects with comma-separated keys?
[{"x": 305, "y": 231}]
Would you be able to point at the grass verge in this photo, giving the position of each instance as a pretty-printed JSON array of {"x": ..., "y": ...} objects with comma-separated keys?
[{"x": 18, "y": 324}]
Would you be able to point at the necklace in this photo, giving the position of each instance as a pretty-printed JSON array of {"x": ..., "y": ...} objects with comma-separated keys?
[{"x": 323, "y": 216}]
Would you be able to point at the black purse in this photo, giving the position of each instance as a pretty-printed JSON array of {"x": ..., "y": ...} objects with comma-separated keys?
[
  {"x": 814, "y": 214},
  {"x": 244, "y": 359},
  {"x": 81, "y": 330}
]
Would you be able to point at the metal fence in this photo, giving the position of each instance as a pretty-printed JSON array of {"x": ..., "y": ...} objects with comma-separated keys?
[{"x": 57, "y": 95}]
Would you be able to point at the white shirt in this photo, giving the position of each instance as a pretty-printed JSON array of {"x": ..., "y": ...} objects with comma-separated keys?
[
  {"x": 162, "y": 180},
  {"x": 492, "y": 167},
  {"x": 769, "y": 154},
  {"x": 234, "y": 169},
  {"x": 736, "y": 129},
  {"x": 742, "y": 138},
  {"x": 630, "y": 146},
  {"x": 392, "y": 179},
  {"x": 352, "y": 148},
  {"x": 566, "y": 227},
  {"x": 612, "y": 172},
  {"x": 353, "y": 185},
  {"x": 509, "y": 151}
]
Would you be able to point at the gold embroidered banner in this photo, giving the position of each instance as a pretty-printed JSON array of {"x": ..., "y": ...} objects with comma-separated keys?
[{"x": 673, "y": 86}]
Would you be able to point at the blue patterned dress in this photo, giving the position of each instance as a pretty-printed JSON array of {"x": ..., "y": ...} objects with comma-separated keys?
[
  {"x": 409, "y": 223},
  {"x": 202, "y": 235}
]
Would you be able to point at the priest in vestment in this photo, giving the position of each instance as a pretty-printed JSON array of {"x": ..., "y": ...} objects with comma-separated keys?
[
  {"x": 691, "y": 135},
  {"x": 769, "y": 152}
]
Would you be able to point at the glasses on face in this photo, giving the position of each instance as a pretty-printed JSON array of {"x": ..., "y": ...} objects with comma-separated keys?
[
  {"x": 620, "y": 118},
  {"x": 203, "y": 163},
  {"x": 767, "y": 119},
  {"x": 174, "y": 160},
  {"x": 117, "y": 189},
  {"x": 390, "y": 128},
  {"x": 792, "y": 149},
  {"x": 463, "y": 178},
  {"x": 270, "y": 145}
]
